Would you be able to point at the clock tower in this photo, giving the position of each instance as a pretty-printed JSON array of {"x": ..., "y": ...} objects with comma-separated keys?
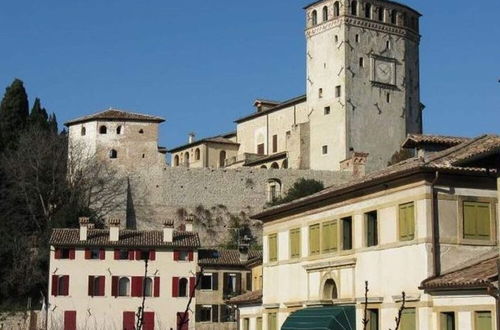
[{"x": 363, "y": 90}]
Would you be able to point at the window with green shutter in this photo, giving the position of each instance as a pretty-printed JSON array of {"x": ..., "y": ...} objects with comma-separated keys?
[
  {"x": 246, "y": 324},
  {"x": 273, "y": 247},
  {"x": 271, "y": 321},
  {"x": 372, "y": 316},
  {"x": 347, "y": 233},
  {"x": 447, "y": 321},
  {"x": 259, "y": 323},
  {"x": 329, "y": 236},
  {"x": 295, "y": 243},
  {"x": 482, "y": 321},
  {"x": 314, "y": 239},
  {"x": 371, "y": 228},
  {"x": 477, "y": 220},
  {"x": 408, "y": 319},
  {"x": 406, "y": 222}
]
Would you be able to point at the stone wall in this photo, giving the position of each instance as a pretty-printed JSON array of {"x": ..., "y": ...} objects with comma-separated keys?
[{"x": 29, "y": 320}]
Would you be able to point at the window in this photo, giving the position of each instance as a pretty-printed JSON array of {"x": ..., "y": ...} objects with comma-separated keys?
[
  {"x": 314, "y": 18},
  {"x": 183, "y": 285},
  {"x": 148, "y": 287},
  {"x": 246, "y": 324},
  {"x": 122, "y": 254},
  {"x": 447, "y": 321},
  {"x": 273, "y": 247},
  {"x": 231, "y": 284},
  {"x": 176, "y": 160},
  {"x": 482, "y": 320},
  {"x": 96, "y": 286},
  {"x": 406, "y": 222},
  {"x": 408, "y": 319},
  {"x": 371, "y": 228},
  {"x": 354, "y": 8},
  {"x": 330, "y": 290},
  {"x": 368, "y": 10},
  {"x": 329, "y": 237},
  {"x": 206, "y": 281},
  {"x": 372, "y": 316},
  {"x": 119, "y": 130},
  {"x": 338, "y": 91},
  {"x": 272, "y": 321},
  {"x": 388, "y": 97},
  {"x": 197, "y": 154},
  {"x": 64, "y": 253},
  {"x": 325, "y": 13},
  {"x": 113, "y": 154},
  {"x": 324, "y": 150},
  {"x": 347, "y": 233},
  {"x": 260, "y": 149},
  {"x": 94, "y": 254},
  {"x": 477, "y": 220},
  {"x": 336, "y": 38},
  {"x": 222, "y": 158},
  {"x": 314, "y": 244},
  {"x": 394, "y": 16},
  {"x": 124, "y": 287},
  {"x": 141, "y": 131},
  {"x": 295, "y": 243},
  {"x": 204, "y": 313},
  {"x": 83, "y": 131},
  {"x": 103, "y": 129},
  {"x": 183, "y": 255},
  {"x": 327, "y": 110},
  {"x": 275, "y": 166},
  {"x": 258, "y": 326},
  {"x": 320, "y": 92},
  {"x": 361, "y": 62},
  {"x": 186, "y": 158},
  {"x": 381, "y": 13},
  {"x": 227, "y": 313},
  {"x": 356, "y": 38},
  {"x": 273, "y": 189},
  {"x": 388, "y": 44},
  {"x": 275, "y": 143},
  {"x": 60, "y": 285},
  {"x": 336, "y": 9}
]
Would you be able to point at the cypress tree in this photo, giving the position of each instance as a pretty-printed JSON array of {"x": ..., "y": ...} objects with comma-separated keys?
[
  {"x": 14, "y": 111},
  {"x": 38, "y": 116},
  {"x": 52, "y": 123}
]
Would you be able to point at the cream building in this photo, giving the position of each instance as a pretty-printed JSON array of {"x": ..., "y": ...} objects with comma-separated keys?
[
  {"x": 362, "y": 92},
  {"x": 427, "y": 226},
  {"x": 101, "y": 278}
]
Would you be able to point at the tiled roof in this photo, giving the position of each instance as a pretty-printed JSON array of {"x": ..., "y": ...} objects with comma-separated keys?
[
  {"x": 287, "y": 103},
  {"x": 222, "y": 257},
  {"x": 414, "y": 140},
  {"x": 116, "y": 114},
  {"x": 222, "y": 139},
  {"x": 252, "y": 297},
  {"x": 128, "y": 238},
  {"x": 266, "y": 158},
  {"x": 449, "y": 160},
  {"x": 478, "y": 275}
]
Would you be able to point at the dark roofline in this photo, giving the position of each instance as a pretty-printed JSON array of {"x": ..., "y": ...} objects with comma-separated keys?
[
  {"x": 268, "y": 158},
  {"x": 205, "y": 140},
  {"x": 287, "y": 103},
  {"x": 388, "y": 1},
  {"x": 101, "y": 115},
  {"x": 413, "y": 140}
]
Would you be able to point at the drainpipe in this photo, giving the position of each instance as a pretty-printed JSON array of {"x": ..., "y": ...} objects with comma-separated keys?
[{"x": 436, "y": 248}]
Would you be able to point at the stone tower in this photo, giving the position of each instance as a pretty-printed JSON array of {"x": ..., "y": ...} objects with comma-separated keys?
[{"x": 363, "y": 88}]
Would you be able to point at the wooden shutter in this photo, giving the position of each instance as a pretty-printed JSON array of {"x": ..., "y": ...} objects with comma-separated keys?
[
  {"x": 137, "y": 254},
  {"x": 314, "y": 239},
  {"x": 102, "y": 285},
  {"x": 57, "y": 253},
  {"x": 65, "y": 285},
  {"x": 273, "y": 247},
  {"x": 275, "y": 143},
  {"x": 197, "y": 313},
  {"x": 91, "y": 286},
  {"x": 295, "y": 243},
  {"x": 408, "y": 321},
  {"x": 192, "y": 284},
  {"x": 406, "y": 222},
  {"x": 72, "y": 254},
  {"x": 271, "y": 321},
  {"x": 259, "y": 323},
  {"x": 130, "y": 254},
  {"x": 149, "y": 321},
  {"x": 191, "y": 255},
  {"x": 102, "y": 254},
  {"x": 482, "y": 321},
  {"x": 114, "y": 286},
  {"x": 176, "y": 255},
  {"x": 215, "y": 313},
  {"x": 248, "y": 281},
  {"x": 156, "y": 287},
  {"x": 371, "y": 229},
  {"x": 215, "y": 281},
  {"x": 69, "y": 320},
  {"x": 136, "y": 286},
  {"x": 87, "y": 253},
  {"x": 410, "y": 220},
  {"x": 225, "y": 281},
  {"x": 469, "y": 220},
  {"x": 152, "y": 255},
  {"x": 128, "y": 321},
  {"x": 175, "y": 286},
  {"x": 483, "y": 221},
  {"x": 55, "y": 283},
  {"x": 238, "y": 283},
  {"x": 117, "y": 254}
]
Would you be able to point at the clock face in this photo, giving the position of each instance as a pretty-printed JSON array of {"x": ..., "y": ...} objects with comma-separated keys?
[{"x": 384, "y": 72}]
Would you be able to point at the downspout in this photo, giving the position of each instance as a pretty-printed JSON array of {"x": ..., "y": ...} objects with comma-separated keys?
[{"x": 436, "y": 248}]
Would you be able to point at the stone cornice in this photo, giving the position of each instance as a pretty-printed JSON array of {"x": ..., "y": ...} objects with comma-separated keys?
[{"x": 318, "y": 266}]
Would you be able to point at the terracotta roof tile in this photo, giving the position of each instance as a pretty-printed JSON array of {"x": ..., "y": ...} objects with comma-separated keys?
[
  {"x": 128, "y": 238},
  {"x": 418, "y": 139},
  {"x": 252, "y": 297},
  {"x": 115, "y": 114},
  {"x": 222, "y": 139},
  {"x": 222, "y": 257}
]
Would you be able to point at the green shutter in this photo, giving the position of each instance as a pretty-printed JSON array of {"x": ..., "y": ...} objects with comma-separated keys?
[
  {"x": 259, "y": 323},
  {"x": 347, "y": 233},
  {"x": 469, "y": 223},
  {"x": 406, "y": 222},
  {"x": 271, "y": 321},
  {"x": 273, "y": 247},
  {"x": 477, "y": 220},
  {"x": 483, "y": 221},
  {"x": 329, "y": 237},
  {"x": 483, "y": 321},
  {"x": 410, "y": 220},
  {"x": 295, "y": 243},
  {"x": 314, "y": 239},
  {"x": 408, "y": 319},
  {"x": 333, "y": 236}
]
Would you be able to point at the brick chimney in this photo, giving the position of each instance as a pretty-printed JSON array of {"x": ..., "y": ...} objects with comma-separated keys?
[
  {"x": 84, "y": 226},
  {"x": 189, "y": 223},
  {"x": 355, "y": 163},
  {"x": 168, "y": 231},
  {"x": 114, "y": 229}
]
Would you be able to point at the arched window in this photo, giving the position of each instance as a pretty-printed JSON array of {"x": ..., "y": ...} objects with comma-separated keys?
[
  {"x": 83, "y": 132},
  {"x": 264, "y": 167},
  {"x": 354, "y": 8},
  {"x": 103, "y": 130},
  {"x": 222, "y": 158},
  {"x": 275, "y": 165},
  {"x": 284, "y": 164},
  {"x": 273, "y": 190},
  {"x": 113, "y": 154},
  {"x": 381, "y": 14},
  {"x": 405, "y": 20},
  {"x": 330, "y": 290},
  {"x": 336, "y": 9},
  {"x": 176, "y": 160},
  {"x": 148, "y": 287},
  {"x": 186, "y": 159},
  {"x": 394, "y": 16},
  {"x": 124, "y": 287},
  {"x": 183, "y": 285},
  {"x": 141, "y": 131},
  {"x": 197, "y": 154},
  {"x": 314, "y": 18},
  {"x": 325, "y": 13},
  {"x": 119, "y": 130},
  {"x": 368, "y": 10}
]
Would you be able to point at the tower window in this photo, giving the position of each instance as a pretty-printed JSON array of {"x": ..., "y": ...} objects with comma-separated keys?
[
  {"x": 324, "y": 150},
  {"x": 141, "y": 131},
  {"x": 357, "y": 38},
  {"x": 336, "y": 38},
  {"x": 327, "y": 110},
  {"x": 338, "y": 91},
  {"x": 119, "y": 130},
  {"x": 388, "y": 44},
  {"x": 368, "y": 10},
  {"x": 325, "y": 13},
  {"x": 320, "y": 93},
  {"x": 394, "y": 16},
  {"x": 83, "y": 132},
  {"x": 381, "y": 14},
  {"x": 336, "y": 9},
  {"x": 103, "y": 129},
  {"x": 113, "y": 154},
  {"x": 361, "y": 62},
  {"x": 388, "y": 97},
  {"x": 314, "y": 18},
  {"x": 354, "y": 8}
]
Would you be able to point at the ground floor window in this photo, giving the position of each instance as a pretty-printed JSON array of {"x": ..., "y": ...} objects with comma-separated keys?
[{"x": 207, "y": 313}]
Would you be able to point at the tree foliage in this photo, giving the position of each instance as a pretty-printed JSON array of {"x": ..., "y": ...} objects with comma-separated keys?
[
  {"x": 301, "y": 188},
  {"x": 14, "y": 111}
]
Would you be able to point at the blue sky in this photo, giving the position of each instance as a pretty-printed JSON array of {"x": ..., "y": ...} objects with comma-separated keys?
[{"x": 200, "y": 64}]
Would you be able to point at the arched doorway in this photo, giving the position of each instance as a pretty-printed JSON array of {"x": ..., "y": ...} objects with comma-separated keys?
[
  {"x": 330, "y": 290},
  {"x": 222, "y": 158}
]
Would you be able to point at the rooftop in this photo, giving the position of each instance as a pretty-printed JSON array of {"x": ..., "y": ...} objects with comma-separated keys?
[
  {"x": 127, "y": 238},
  {"x": 282, "y": 105},
  {"x": 252, "y": 297},
  {"x": 387, "y": 1},
  {"x": 414, "y": 140},
  {"x": 116, "y": 115},
  {"x": 221, "y": 139},
  {"x": 223, "y": 257}
]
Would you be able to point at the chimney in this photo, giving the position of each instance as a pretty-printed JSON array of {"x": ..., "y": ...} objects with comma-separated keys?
[
  {"x": 114, "y": 229},
  {"x": 355, "y": 163},
  {"x": 189, "y": 223},
  {"x": 191, "y": 137},
  {"x": 84, "y": 226},
  {"x": 168, "y": 231},
  {"x": 243, "y": 253}
]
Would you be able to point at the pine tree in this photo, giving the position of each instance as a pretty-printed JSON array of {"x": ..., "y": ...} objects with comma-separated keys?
[
  {"x": 38, "y": 116},
  {"x": 14, "y": 111}
]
